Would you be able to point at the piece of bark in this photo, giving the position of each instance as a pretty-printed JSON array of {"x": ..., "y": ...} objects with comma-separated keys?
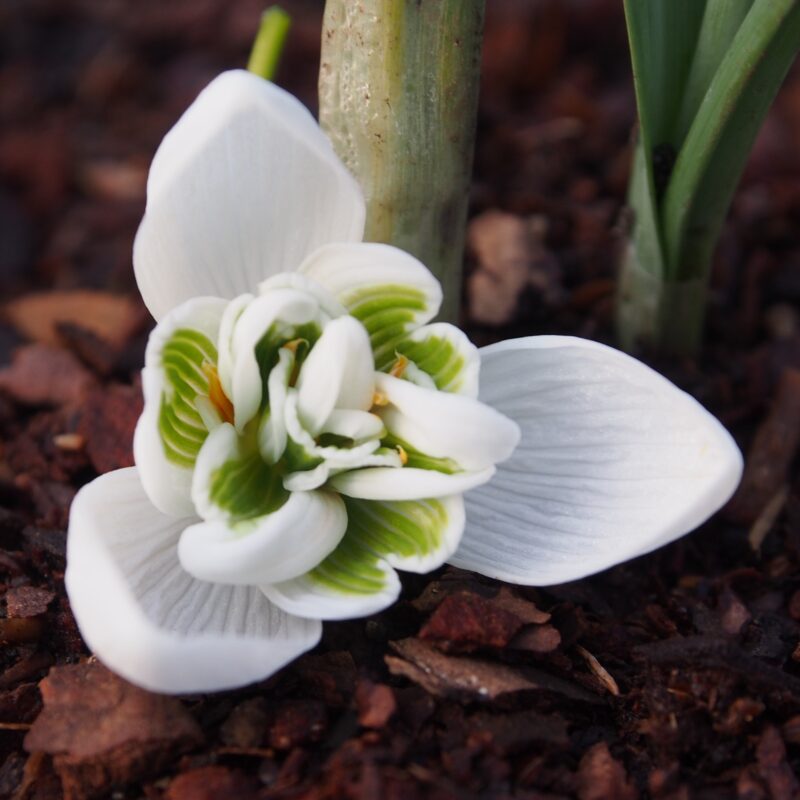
[
  {"x": 246, "y": 725},
  {"x": 210, "y": 783},
  {"x": 27, "y": 601},
  {"x": 465, "y": 620},
  {"x": 773, "y": 767},
  {"x": 104, "y": 732},
  {"x": 297, "y": 722},
  {"x": 376, "y": 704},
  {"x": 602, "y": 777},
  {"x": 469, "y": 620},
  {"x": 512, "y": 732},
  {"x": 108, "y": 421},
  {"x": 44, "y": 375},
  {"x": 537, "y": 639},
  {"x": 771, "y": 453},
  {"x": 733, "y": 613}
]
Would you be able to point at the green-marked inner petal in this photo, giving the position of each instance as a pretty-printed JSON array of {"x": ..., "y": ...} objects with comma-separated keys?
[
  {"x": 350, "y": 569},
  {"x": 181, "y": 427},
  {"x": 247, "y": 487},
  {"x": 438, "y": 357},
  {"x": 388, "y": 312},
  {"x": 405, "y": 530}
]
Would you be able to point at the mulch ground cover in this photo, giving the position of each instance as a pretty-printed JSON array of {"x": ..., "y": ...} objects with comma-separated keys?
[{"x": 675, "y": 676}]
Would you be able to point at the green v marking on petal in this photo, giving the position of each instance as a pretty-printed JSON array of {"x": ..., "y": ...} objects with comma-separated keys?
[
  {"x": 376, "y": 530},
  {"x": 438, "y": 357},
  {"x": 388, "y": 312},
  {"x": 420, "y": 460},
  {"x": 270, "y": 343},
  {"x": 247, "y": 488},
  {"x": 181, "y": 428}
]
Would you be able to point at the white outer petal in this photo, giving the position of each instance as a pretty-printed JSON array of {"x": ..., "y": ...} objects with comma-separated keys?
[
  {"x": 280, "y": 306},
  {"x": 345, "y": 269},
  {"x": 338, "y": 373},
  {"x": 149, "y": 621},
  {"x": 614, "y": 462},
  {"x": 167, "y": 485},
  {"x": 282, "y": 545},
  {"x": 445, "y": 425},
  {"x": 407, "y": 483},
  {"x": 244, "y": 186}
]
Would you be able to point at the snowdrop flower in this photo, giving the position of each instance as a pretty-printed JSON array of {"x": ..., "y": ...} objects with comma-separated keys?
[{"x": 308, "y": 430}]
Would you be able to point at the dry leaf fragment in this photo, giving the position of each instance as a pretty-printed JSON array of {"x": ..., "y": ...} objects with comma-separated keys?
[
  {"x": 113, "y": 318},
  {"x": 448, "y": 676}
]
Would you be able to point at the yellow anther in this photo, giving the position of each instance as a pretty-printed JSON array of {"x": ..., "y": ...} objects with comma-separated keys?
[
  {"x": 399, "y": 367},
  {"x": 293, "y": 345},
  {"x": 379, "y": 399},
  {"x": 403, "y": 455},
  {"x": 216, "y": 394}
]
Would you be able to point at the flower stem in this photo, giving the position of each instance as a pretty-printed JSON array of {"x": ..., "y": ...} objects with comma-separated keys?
[
  {"x": 269, "y": 42},
  {"x": 398, "y": 93}
]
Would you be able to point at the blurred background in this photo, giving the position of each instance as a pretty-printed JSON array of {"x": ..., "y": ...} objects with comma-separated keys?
[{"x": 89, "y": 87}]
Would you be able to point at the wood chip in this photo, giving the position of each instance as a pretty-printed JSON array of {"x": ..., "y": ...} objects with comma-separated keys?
[
  {"x": 27, "y": 601},
  {"x": 376, "y": 704},
  {"x": 43, "y": 375},
  {"x": 602, "y": 777},
  {"x": 102, "y": 731},
  {"x": 770, "y": 455},
  {"x": 600, "y": 672},
  {"x": 113, "y": 318}
]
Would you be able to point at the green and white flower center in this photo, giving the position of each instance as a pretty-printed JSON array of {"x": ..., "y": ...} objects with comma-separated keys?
[{"x": 318, "y": 432}]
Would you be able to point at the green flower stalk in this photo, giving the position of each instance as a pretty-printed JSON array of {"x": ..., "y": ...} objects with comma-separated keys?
[
  {"x": 269, "y": 42},
  {"x": 706, "y": 72},
  {"x": 398, "y": 93}
]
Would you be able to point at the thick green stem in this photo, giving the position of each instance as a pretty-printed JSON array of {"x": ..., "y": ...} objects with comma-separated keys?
[
  {"x": 657, "y": 314},
  {"x": 398, "y": 92}
]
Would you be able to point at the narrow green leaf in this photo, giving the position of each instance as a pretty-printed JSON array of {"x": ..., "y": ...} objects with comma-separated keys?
[
  {"x": 662, "y": 35},
  {"x": 719, "y": 140},
  {"x": 721, "y": 23}
]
